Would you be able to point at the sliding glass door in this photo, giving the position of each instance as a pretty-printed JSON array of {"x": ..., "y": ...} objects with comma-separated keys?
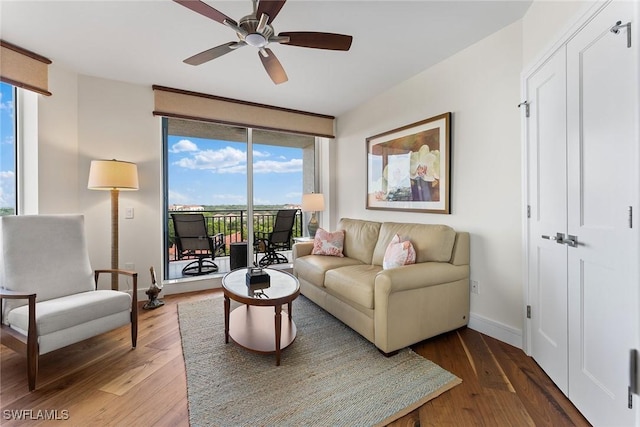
[{"x": 237, "y": 179}]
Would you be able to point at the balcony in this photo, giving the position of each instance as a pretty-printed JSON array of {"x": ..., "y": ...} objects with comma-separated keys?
[{"x": 231, "y": 223}]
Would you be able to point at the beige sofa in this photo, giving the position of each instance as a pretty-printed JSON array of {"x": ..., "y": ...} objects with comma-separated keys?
[{"x": 397, "y": 307}]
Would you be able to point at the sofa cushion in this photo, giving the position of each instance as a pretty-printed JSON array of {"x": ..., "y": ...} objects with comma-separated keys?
[
  {"x": 313, "y": 267},
  {"x": 399, "y": 252},
  {"x": 354, "y": 283},
  {"x": 330, "y": 244},
  {"x": 360, "y": 238},
  {"x": 432, "y": 242},
  {"x": 65, "y": 312}
]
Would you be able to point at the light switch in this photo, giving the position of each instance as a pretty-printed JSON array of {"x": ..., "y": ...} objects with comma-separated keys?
[{"x": 128, "y": 213}]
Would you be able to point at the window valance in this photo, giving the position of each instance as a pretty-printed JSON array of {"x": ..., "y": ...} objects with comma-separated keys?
[
  {"x": 197, "y": 106},
  {"x": 22, "y": 68}
]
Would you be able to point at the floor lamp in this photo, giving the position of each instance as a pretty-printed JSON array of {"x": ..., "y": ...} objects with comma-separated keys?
[
  {"x": 313, "y": 203},
  {"x": 116, "y": 176}
]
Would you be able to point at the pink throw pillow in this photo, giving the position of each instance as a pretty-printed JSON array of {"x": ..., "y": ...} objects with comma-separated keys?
[
  {"x": 326, "y": 243},
  {"x": 399, "y": 252}
]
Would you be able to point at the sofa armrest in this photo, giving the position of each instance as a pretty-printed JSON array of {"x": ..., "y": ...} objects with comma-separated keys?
[
  {"x": 418, "y": 301},
  {"x": 301, "y": 249},
  {"x": 417, "y": 276}
]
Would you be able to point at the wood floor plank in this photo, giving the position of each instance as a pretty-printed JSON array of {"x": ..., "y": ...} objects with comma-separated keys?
[
  {"x": 545, "y": 403},
  {"x": 472, "y": 406},
  {"x": 134, "y": 375},
  {"x": 488, "y": 371},
  {"x": 103, "y": 382},
  {"x": 136, "y": 408}
]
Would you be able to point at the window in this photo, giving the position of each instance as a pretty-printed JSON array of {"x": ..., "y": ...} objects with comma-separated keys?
[
  {"x": 8, "y": 149},
  {"x": 208, "y": 170}
]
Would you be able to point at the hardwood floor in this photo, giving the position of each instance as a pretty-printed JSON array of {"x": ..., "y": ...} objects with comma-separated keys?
[{"x": 102, "y": 382}]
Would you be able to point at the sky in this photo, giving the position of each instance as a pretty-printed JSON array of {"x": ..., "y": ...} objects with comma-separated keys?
[
  {"x": 7, "y": 168},
  {"x": 213, "y": 172}
]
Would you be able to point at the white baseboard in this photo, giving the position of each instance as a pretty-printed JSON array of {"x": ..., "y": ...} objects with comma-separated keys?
[
  {"x": 497, "y": 330},
  {"x": 183, "y": 286},
  {"x": 192, "y": 285}
]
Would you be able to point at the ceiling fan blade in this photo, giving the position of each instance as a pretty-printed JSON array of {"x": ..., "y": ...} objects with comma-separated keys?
[
  {"x": 206, "y": 10},
  {"x": 270, "y": 7},
  {"x": 273, "y": 66},
  {"x": 318, "y": 40},
  {"x": 213, "y": 53}
]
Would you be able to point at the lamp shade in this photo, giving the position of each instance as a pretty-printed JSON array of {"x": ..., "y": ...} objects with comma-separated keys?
[
  {"x": 113, "y": 174},
  {"x": 312, "y": 202}
]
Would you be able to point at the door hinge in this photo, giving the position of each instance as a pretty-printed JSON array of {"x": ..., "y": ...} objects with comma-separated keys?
[
  {"x": 526, "y": 107},
  {"x": 528, "y": 312},
  {"x": 633, "y": 375},
  {"x": 630, "y": 210},
  {"x": 616, "y": 30},
  {"x": 528, "y": 211}
]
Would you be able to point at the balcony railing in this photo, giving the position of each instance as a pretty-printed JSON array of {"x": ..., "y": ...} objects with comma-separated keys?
[{"x": 233, "y": 224}]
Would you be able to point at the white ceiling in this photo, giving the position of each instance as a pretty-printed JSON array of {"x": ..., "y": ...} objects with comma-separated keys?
[{"x": 145, "y": 42}]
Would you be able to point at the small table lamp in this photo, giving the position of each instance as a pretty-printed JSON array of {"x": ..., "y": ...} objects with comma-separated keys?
[
  {"x": 114, "y": 175},
  {"x": 312, "y": 202}
]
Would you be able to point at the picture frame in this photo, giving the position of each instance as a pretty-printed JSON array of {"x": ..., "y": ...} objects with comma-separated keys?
[{"x": 409, "y": 168}]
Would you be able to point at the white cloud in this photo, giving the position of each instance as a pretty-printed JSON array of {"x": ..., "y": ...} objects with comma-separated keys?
[
  {"x": 184, "y": 145},
  {"x": 229, "y": 160},
  {"x": 274, "y": 166},
  {"x": 7, "y": 189},
  {"x": 7, "y": 106},
  {"x": 213, "y": 159}
]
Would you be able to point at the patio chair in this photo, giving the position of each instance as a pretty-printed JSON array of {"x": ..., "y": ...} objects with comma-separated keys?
[
  {"x": 48, "y": 291},
  {"x": 278, "y": 239},
  {"x": 193, "y": 240}
]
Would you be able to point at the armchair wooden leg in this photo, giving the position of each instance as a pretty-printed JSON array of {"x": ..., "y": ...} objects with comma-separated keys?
[
  {"x": 134, "y": 329},
  {"x": 32, "y": 370},
  {"x": 134, "y": 312},
  {"x": 32, "y": 345}
]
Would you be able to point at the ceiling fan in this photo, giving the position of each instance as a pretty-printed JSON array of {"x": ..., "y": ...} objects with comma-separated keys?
[{"x": 256, "y": 30}]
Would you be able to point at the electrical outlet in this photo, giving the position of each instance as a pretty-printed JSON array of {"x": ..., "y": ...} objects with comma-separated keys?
[
  {"x": 128, "y": 213},
  {"x": 475, "y": 287}
]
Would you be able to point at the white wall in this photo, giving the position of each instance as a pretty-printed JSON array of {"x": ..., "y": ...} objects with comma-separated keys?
[
  {"x": 58, "y": 144},
  {"x": 544, "y": 24},
  {"x": 480, "y": 86}
]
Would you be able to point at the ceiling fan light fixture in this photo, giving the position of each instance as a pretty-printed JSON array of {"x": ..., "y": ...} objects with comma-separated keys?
[
  {"x": 256, "y": 40},
  {"x": 256, "y": 30}
]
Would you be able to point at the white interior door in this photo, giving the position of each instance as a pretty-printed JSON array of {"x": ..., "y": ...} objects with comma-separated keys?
[
  {"x": 602, "y": 101},
  {"x": 548, "y": 216}
]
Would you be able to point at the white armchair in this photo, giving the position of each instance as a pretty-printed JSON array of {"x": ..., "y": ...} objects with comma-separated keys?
[{"x": 48, "y": 291}]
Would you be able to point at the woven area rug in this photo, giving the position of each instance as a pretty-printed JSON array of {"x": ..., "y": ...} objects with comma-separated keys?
[{"x": 329, "y": 376}]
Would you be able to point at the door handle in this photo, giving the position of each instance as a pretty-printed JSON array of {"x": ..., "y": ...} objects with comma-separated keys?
[
  {"x": 571, "y": 241},
  {"x": 559, "y": 237}
]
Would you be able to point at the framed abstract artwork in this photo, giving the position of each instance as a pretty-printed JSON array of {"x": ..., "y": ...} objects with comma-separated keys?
[{"x": 409, "y": 168}]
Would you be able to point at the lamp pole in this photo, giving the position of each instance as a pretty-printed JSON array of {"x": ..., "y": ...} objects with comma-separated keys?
[{"x": 114, "y": 237}]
